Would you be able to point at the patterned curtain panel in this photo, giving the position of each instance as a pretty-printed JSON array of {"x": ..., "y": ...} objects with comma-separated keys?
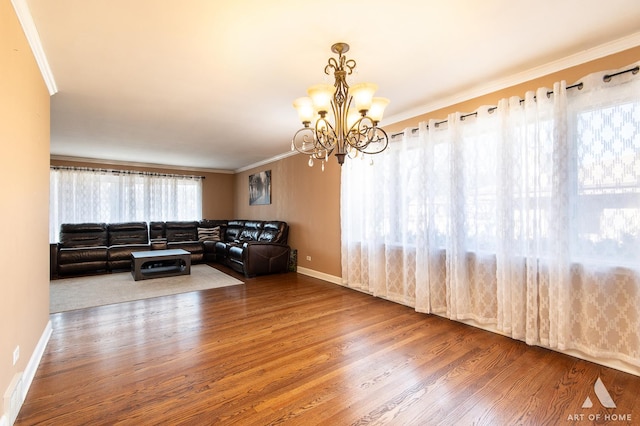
[
  {"x": 79, "y": 195},
  {"x": 523, "y": 217}
]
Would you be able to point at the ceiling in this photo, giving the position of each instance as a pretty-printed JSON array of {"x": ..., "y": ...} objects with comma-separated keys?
[{"x": 209, "y": 84}]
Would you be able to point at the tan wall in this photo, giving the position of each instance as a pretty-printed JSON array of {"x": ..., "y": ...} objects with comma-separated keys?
[
  {"x": 308, "y": 199},
  {"x": 24, "y": 198},
  {"x": 217, "y": 188}
]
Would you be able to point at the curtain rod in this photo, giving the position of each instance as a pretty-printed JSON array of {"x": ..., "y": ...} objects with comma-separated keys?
[
  {"x": 606, "y": 78},
  {"x": 121, "y": 172}
]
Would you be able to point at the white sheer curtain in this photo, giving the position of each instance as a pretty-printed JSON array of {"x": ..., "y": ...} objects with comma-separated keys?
[
  {"x": 80, "y": 195},
  {"x": 524, "y": 218}
]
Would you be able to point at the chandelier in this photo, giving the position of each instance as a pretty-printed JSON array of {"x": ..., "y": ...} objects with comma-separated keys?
[{"x": 340, "y": 119}]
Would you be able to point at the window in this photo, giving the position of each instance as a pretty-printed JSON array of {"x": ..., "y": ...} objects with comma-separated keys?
[
  {"x": 608, "y": 182},
  {"x": 487, "y": 182},
  {"x": 95, "y": 195}
]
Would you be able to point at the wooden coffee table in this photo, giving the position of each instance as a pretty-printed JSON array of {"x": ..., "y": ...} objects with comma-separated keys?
[{"x": 160, "y": 263}]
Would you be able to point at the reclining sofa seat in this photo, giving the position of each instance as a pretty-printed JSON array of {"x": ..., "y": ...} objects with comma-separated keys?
[
  {"x": 254, "y": 247},
  {"x": 177, "y": 235},
  {"x": 124, "y": 239},
  {"x": 97, "y": 247},
  {"x": 82, "y": 248}
]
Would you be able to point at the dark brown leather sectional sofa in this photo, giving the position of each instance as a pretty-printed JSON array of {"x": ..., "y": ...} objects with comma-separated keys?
[{"x": 248, "y": 246}]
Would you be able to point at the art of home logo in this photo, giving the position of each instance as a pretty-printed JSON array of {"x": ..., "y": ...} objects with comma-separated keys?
[{"x": 604, "y": 398}]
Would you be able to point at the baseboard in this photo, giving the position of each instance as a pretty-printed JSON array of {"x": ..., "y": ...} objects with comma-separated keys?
[
  {"x": 320, "y": 275},
  {"x": 16, "y": 393},
  {"x": 36, "y": 357},
  {"x": 32, "y": 366}
]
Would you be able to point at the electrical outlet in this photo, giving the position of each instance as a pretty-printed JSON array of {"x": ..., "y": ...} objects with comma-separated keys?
[
  {"x": 16, "y": 354},
  {"x": 309, "y": 258}
]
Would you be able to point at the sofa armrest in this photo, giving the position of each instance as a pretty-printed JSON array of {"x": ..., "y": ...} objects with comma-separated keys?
[
  {"x": 53, "y": 260},
  {"x": 261, "y": 258}
]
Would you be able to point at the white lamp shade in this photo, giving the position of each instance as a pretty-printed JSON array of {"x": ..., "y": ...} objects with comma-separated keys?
[
  {"x": 377, "y": 108},
  {"x": 362, "y": 94},
  {"x": 321, "y": 95},
  {"x": 304, "y": 106}
]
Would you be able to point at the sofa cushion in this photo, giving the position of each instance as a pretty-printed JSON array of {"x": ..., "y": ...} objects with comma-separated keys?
[
  {"x": 82, "y": 255},
  {"x": 124, "y": 252},
  {"x": 83, "y": 235},
  {"x": 251, "y": 231},
  {"x": 234, "y": 228},
  {"x": 175, "y": 235},
  {"x": 128, "y": 233},
  {"x": 82, "y": 267},
  {"x": 156, "y": 230},
  {"x": 193, "y": 247},
  {"x": 249, "y": 234},
  {"x": 209, "y": 234},
  {"x": 181, "y": 231},
  {"x": 274, "y": 232},
  {"x": 196, "y": 249},
  {"x": 212, "y": 223},
  {"x": 269, "y": 235}
]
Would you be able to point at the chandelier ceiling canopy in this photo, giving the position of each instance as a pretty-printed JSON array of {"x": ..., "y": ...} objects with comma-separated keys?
[{"x": 340, "y": 119}]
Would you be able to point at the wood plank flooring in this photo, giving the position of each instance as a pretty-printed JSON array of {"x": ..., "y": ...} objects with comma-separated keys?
[{"x": 290, "y": 349}]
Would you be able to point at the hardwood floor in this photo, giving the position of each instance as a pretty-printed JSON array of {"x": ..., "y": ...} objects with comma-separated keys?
[{"x": 290, "y": 349}]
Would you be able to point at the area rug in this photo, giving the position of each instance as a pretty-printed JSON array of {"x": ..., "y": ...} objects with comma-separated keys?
[{"x": 68, "y": 294}]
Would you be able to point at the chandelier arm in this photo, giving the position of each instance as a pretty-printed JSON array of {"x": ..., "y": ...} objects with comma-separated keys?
[
  {"x": 365, "y": 136},
  {"x": 350, "y": 65},
  {"x": 354, "y": 134},
  {"x": 359, "y": 133},
  {"x": 377, "y": 142},
  {"x": 303, "y": 141},
  {"x": 333, "y": 64},
  {"x": 325, "y": 136}
]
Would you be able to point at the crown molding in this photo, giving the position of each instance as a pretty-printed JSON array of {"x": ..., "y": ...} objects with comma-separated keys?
[
  {"x": 597, "y": 52},
  {"x": 30, "y": 31},
  {"x": 267, "y": 161},
  {"x": 134, "y": 164}
]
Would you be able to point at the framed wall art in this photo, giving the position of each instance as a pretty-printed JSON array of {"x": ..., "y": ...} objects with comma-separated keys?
[{"x": 260, "y": 188}]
